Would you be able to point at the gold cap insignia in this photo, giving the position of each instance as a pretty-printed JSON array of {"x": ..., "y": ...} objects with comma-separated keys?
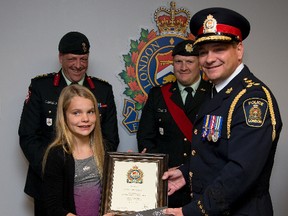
[
  {"x": 189, "y": 48},
  {"x": 209, "y": 25}
]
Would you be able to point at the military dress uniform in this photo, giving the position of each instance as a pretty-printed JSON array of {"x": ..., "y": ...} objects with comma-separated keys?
[
  {"x": 235, "y": 134},
  {"x": 159, "y": 133},
  {"x": 230, "y": 168},
  {"x": 37, "y": 130}
]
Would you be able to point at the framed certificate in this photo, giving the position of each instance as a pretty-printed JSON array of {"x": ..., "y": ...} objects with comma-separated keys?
[{"x": 132, "y": 182}]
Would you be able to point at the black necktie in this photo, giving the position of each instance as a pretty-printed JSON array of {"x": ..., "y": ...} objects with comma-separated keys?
[
  {"x": 72, "y": 83},
  {"x": 189, "y": 98},
  {"x": 213, "y": 92}
]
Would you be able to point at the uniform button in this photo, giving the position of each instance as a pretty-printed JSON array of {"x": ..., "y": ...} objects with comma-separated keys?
[
  {"x": 195, "y": 131},
  {"x": 185, "y": 155},
  {"x": 159, "y": 120},
  {"x": 49, "y": 111},
  {"x": 193, "y": 152},
  {"x": 190, "y": 174},
  {"x": 185, "y": 139}
]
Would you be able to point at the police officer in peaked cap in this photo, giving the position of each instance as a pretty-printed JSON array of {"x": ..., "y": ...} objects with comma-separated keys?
[
  {"x": 237, "y": 128},
  {"x": 36, "y": 129}
]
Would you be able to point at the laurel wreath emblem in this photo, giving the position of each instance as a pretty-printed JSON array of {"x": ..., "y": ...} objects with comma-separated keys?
[{"x": 129, "y": 74}]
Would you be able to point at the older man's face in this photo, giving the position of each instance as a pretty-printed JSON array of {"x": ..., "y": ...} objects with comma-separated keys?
[{"x": 74, "y": 66}]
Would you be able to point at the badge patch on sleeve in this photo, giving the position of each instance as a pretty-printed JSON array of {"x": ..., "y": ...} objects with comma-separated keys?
[{"x": 255, "y": 110}]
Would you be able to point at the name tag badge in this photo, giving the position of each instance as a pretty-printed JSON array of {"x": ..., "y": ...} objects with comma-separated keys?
[{"x": 161, "y": 110}]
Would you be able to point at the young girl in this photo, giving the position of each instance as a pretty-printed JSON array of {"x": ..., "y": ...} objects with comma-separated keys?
[{"x": 73, "y": 163}]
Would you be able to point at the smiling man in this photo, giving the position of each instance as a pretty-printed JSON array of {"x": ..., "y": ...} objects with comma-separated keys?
[
  {"x": 236, "y": 131},
  {"x": 168, "y": 115},
  {"x": 36, "y": 128}
]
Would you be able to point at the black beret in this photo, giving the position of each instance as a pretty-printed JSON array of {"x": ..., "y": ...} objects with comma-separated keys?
[
  {"x": 219, "y": 24},
  {"x": 185, "y": 48},
  {"x": 74, "y": 43}
]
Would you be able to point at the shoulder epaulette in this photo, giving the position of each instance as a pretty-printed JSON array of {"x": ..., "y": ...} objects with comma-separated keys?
[
  {"x": 44, "y": 75},
  {"x": 101, "y": 80}
]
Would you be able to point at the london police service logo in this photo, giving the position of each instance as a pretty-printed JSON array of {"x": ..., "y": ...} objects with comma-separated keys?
[{"x": 149, "y": 61}]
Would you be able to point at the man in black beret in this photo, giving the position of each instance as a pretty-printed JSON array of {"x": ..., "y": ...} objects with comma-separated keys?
[
  {"x": 36, "y": 129},
  {"x": 167, "y": 117},
  {"x": 236, "y": 130}
]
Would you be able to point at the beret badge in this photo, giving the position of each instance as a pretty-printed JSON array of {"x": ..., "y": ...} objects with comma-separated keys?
[
  {"x": 84, "y": 47},
  {"x": 209, "y": 25},
  {"x": 189, "y": 48}
]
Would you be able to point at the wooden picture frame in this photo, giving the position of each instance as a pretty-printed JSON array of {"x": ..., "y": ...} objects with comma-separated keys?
[{"x": 132, "y": 182}]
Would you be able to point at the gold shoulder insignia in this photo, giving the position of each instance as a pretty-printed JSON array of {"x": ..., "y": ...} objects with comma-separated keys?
[
  {"x": 45, "y": 75},
  {"x": 98, "y": 79},
  {"x": 271, "y": 110},
  {"x": 255, "y": 110},
  {"x": 228, "y": 91}
]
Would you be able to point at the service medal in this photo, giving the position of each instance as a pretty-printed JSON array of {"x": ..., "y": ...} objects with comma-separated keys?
[
  {"x": 209, "y": 137},
  {"x": 218, "y": 128},
  {"x": 214, "y": 137},
  {"x": 205, "y": 127},
  {"x": 211, "y": 129}
]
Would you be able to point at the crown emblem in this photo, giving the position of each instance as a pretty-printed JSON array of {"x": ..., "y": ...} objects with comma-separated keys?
[
  {"x": 172, "y": 21},
  {"x": 209, "y": 25}
]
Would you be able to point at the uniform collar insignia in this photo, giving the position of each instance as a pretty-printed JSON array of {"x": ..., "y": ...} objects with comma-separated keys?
[{"x": 229, "y": 90}]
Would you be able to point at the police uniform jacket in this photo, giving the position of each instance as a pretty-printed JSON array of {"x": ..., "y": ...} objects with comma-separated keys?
[
  {"x": 230, "y": 175},
  {"x": 36, "y": 129}
]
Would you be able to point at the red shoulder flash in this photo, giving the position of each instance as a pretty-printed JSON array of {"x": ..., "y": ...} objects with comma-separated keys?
[
  {"x": 56, "y": 79},
  {"x": 90, "y": 82}
]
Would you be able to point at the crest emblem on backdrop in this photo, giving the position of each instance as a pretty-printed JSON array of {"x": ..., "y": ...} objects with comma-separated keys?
[{"x": 149, "y": 61}]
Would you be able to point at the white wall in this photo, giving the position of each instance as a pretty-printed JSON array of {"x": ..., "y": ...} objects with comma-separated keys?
[{"x": 30, "y": 32}]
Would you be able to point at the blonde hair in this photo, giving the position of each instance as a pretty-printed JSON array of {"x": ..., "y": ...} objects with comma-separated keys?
[{"x": 64, "y": 137}]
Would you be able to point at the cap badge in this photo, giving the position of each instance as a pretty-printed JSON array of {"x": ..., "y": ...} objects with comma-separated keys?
[
  {"x": 209, "y": 25},
  {"x": 189, "y": 48},
  {"x": 84, "y": 47}
]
